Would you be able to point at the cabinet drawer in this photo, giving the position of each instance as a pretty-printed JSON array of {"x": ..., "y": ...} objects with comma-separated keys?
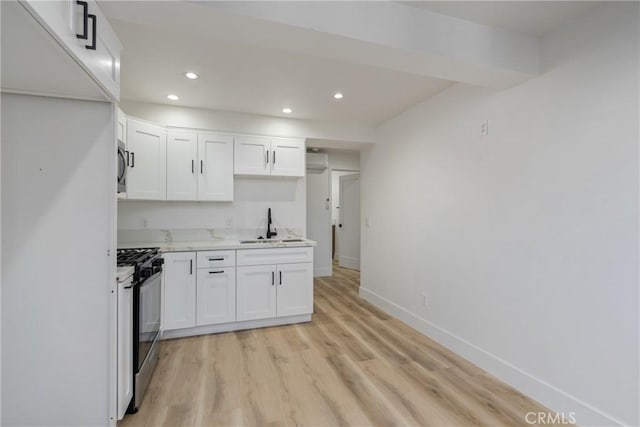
[
  {"x": 212, "y": 259},
  {"x": 275, "y": 256}
]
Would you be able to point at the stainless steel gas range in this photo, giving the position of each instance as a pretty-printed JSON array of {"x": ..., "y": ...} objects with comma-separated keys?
[{"x": 147, "y": 285}]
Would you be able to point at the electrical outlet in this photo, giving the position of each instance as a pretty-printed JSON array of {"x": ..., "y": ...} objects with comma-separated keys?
[
  {"x": 425, "y": 299},
  {"x": 484, "y": 128}
]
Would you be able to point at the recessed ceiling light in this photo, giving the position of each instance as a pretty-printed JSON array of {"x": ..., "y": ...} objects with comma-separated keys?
[
  {"x": 338, "y": 95},
  {"x": 173, "y": 97},
  {"x": 190, "y": 75},
  {"x": 286, "y": 110}
]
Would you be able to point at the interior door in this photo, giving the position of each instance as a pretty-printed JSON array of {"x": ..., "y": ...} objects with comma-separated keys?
[
  {"x": 182, "y": 154},
  {"x": 349, "y": 222},
  {"x": 215, "y": 177}
]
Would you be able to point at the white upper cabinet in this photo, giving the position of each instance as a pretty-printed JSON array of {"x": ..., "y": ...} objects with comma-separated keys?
[
  {"x": 287, "y": 157},
  {"x": 252, "y": 156},
  {"x": 182, "y": 169},
  {"x": 264, "y": 156},
  {"x": 82, "y": 29},
  {"x": 215, "y": 177},
  {"x": 147, "y": 174}
]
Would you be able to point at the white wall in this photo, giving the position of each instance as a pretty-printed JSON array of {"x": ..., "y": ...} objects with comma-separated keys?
[
  {"x": 245, "y": 217},
  {"x": 525, "y": 240},
  {"x": 58, "y": 196},
  {"x": 319, "y": 220},
  {"x": 169, "y": 115},
  {"x": 344, "y": 160}
]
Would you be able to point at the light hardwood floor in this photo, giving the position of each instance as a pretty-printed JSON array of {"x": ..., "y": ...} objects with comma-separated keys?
[{"x": 353, "y": 365}]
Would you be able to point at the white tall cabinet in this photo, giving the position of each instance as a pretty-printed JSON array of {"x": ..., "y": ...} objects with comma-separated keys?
[{"x": 147, "y": 173}]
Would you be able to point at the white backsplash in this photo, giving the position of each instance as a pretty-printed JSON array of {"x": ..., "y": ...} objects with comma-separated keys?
[{"x": 244, "y": 218}]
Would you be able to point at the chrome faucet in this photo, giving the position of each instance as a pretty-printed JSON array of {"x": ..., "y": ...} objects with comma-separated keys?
[{"x": 270, "y": 233}]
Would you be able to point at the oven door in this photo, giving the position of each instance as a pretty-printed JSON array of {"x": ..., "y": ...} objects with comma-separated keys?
[
  {"x": 122, "y": 167},
  {"x": 148, "y": 315}
]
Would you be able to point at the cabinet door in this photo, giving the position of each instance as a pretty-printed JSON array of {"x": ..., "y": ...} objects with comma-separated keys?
[
  {"x": 215, "y": 156},
  {"x": 65, "y": 19},
  {"x": 256, "y": 292},
  {"x": 252, "y": 156},
  {"x": 125, "y": 347},
  {"x": 147, "y": 174},
  {"x": 179, "y": 290},
  {"x": 295, "y": 289},
  {"x": 287, "y": 157},
  {"x": 216, "y": 294},
  {"x": 182, "y": 177}
]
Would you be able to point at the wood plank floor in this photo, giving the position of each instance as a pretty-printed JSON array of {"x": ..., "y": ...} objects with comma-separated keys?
[{"x": 353, "y": 365}]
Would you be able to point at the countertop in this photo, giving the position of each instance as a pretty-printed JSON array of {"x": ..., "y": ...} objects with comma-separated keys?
[
  {"x": 124, "y": 273},
  {"x": 213, "y": 245}
]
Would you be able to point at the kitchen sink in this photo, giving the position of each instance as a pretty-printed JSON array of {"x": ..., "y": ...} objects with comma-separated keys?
[{"x": 271, "y": 241}]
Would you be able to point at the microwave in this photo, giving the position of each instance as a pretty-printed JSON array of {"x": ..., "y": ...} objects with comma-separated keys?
[{"x": 123, "y": 160}]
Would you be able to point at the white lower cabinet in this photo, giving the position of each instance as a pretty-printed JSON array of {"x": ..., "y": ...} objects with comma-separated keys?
[
  {"x": 199, "y": 289},
  {"x": 274, "y": 290},
  {"x": 205, "y": 288},
  {"x": 295, "y": 289},
  {"x": 179, "y": 290},
  {"x": 125, "y": 346},
  {"x": 256, "y": 292},
  {"x": 216, "y": 296}
]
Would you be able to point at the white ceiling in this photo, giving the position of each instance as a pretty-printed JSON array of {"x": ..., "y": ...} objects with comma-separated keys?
[
  {"x": 244, "y": 78},
  {"x": 239, "y": 74},
  {"x": 530, "y": 17}
]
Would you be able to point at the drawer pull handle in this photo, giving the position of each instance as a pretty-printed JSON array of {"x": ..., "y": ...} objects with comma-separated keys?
[
  {"x": 216, "y": 272},
  {"x": 85, "y": 21},
  {"x": 216, "y": 259},
  {"x": 92, "y": 46},
  {"x": 273, "y": 278}
]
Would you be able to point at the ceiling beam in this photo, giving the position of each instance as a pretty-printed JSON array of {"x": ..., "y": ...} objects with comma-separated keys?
[{"x": 382, "y": 34}]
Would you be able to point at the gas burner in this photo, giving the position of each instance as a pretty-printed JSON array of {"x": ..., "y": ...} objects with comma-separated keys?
[{"x": 136, "y": 256}]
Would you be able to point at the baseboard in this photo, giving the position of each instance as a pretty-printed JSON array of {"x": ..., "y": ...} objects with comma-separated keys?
[
  {"x": 322, "y": 272},
  {"x": 234, "y": 326},
  {"x": 539, "y": 390}
]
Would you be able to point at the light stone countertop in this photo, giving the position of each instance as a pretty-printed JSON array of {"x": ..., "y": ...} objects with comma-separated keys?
[
  {"x": 124, "y": 273},
  {"x": 213, "y": 245}
]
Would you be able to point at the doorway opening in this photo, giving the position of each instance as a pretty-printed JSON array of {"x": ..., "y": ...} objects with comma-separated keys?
[{"x": 332, "y": 222}]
